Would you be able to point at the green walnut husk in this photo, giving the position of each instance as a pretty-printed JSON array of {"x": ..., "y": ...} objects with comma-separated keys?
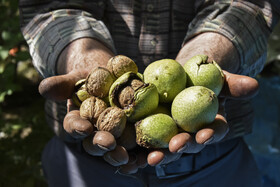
[
  {"x": 169, "y": 77},
  {"x": 163, "y": 109},
  {"x": 155, "y": 131},
  {"x": 81, "y": 93},
  {"x": 99, "y": 81},
  {"x": 120, "y": 64},
  {"x": 194, "y": 108},
  {"x": 200, "y": 72},
  {"x": 136, "y": 98}
]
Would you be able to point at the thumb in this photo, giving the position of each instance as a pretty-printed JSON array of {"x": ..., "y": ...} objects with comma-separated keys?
[
  {"x": 60, "y": 87},
  {"x": 239, "y": 86}
]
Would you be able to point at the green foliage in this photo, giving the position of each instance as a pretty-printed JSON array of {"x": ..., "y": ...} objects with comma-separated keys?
[
  {"x": 23, "y": 130},
  {"x": 23, "y": 135},
  {"x": 12, "y": 49}
]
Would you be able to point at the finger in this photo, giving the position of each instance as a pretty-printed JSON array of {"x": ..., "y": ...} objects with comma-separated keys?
[
  {"x": 155, "y": 157},
  {"x": 239, "y": 86},
  {"x": 98, "y": 143},
  {"x": 214, "y": 133},
  {"x": 221, "y": 111},
  {"x": 162, "y": 156},
  {"x": 178, "y": 142},
  {"x": 184, "y": 143},
  {"x": 142, "y": 161},
  {"x": 117, "y": 157},
  {"x": 60, "y": 87},
  {"x": 131, "y": 167},
  {"x": 128, "y": 169},
  {"x": 76, "y": 126}
]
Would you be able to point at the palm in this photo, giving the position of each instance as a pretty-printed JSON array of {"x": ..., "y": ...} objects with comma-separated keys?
[{"x": 62, "y": 87}]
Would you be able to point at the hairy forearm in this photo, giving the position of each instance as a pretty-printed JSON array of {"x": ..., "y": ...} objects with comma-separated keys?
[
  {"x": 83, "y": 54},
  {"x": 215, "y": 46}
]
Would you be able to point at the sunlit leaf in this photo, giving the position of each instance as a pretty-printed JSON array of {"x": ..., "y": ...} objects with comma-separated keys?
[
  {"x": 4, "y": 94},
  {"x": 4, "y": 53},
  {"x": 6, "y": 35}
]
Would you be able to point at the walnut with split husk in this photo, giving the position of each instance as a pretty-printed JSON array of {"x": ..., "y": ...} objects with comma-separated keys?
[
  {"x": 80, "y": 93},
  {"x": 135, "y": 97}
]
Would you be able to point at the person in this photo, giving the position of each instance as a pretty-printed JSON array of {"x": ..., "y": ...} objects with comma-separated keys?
[{"x": 69, "y": 38}]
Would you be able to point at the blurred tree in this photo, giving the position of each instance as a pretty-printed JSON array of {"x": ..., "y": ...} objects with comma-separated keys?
[{"x": 23, "y": 132}]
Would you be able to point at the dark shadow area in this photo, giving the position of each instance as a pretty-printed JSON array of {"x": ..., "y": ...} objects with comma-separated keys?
[{"x": 264, "y": 142}]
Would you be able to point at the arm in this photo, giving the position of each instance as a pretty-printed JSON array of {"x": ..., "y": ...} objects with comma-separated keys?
[
  {"x": 216, "y": 46},
  {"x": 51, "y": 26},
  {"x": 65, "y": 44},
  {"x": 235, "y": 35}
]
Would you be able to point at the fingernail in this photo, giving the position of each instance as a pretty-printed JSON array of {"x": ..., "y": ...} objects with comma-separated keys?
[
  {"x": 161, "y": 162},
  {"x": 182, "y": 149},
  {"x": 107, "y": 157},
  {"x": 102, "y": 148},
  {"x": 209, "y": 141}
]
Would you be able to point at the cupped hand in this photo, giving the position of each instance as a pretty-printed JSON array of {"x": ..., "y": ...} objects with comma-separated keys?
[
  {"x": 61, "y": 87},
  {"x": 235, "y": 87}
]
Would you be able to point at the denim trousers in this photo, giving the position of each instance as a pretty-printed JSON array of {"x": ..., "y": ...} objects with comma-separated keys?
[{"x": 229, "y": 163}]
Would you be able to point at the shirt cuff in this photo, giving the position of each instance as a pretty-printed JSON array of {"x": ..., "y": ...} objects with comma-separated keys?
[
  {"x": 48, "y": 34},
  {"x": 243, "y": 25}
]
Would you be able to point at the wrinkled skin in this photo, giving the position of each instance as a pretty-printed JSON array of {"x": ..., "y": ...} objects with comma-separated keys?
[{"x": 236, "y": 86}]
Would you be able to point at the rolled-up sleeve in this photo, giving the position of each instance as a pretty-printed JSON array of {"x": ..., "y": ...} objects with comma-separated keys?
[
  {"x": 47, "y": 34},
  {"x": 247, "y": 24}
]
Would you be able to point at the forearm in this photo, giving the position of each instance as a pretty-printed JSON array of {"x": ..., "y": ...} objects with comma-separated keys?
[
  {"x": 48, "y": 34},
  {"x": 215, "y": 46},
  {"x": 83, "y": 54}
]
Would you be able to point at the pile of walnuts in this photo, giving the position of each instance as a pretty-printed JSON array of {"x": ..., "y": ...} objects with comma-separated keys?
[{"x": 119, "y": 101}]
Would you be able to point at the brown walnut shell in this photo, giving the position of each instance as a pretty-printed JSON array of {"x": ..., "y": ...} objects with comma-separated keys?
[
  {"x": 120, "y": 64},
  {"x": 113, "y": 120},
  {"x": 99, "y": 81},
  {"x": 91, "y": 108},
  {"x": 126, "y": 96},
  {"x": 136, "y": 84}
]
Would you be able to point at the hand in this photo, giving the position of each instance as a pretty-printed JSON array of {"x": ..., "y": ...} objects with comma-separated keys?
[
  {"x": 61, "y": 87},
  {"x": 235, "y": 87}
]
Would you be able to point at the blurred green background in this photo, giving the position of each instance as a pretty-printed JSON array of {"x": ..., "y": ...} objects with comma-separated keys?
[{"x": 23, "y": 130}]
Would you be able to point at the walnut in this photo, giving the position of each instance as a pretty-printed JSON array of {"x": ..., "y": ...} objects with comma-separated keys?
[
  {"x": 99, "y": 81},
  {"x": 113, "y": 120},
  {"x": 91, "y": 108},
  {"x": 120, "y": 64}
]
